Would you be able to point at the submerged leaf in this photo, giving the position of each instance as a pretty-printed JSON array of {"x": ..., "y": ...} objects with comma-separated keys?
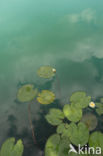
[
  {"x": 9, "y": 148},
  {"x": 55, "y": 116},
  {"x": 46, "y": 72},
  {"x": 26, "y": 93},
  {"x": 46, "y": 97},
  {"x": 72, "y": 113},
  {"x": 78, "y": 134},
  {"x": 96, "y": 140},
  {"x": 80, "y": 100},
  {"x": 90, "y": 121}
]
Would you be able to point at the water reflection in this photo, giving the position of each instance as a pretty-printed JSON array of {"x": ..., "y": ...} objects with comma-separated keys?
[{"x": 68, "y": 37}]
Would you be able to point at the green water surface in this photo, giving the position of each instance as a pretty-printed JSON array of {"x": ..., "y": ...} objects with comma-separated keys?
[{"x": 66, "y": 34}]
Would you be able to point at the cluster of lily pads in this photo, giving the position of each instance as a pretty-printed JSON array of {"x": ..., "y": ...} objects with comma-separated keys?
[
  {"x": 73, "y": 124},
  {"x": 78, "y": 129},
  {"x": 28, "y": 92}
]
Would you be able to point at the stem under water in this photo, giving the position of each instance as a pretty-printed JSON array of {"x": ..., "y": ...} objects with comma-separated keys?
[{"x": 31, "y": 125}]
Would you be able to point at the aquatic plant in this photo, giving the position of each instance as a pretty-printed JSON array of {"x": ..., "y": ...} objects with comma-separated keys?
[
  {"x": 63, "y": 130},
  {"x": 61, "y": 127},
  {"x": 26, "y": 93},
  {"x": 57, "y": 146},
  {"x": 55, "y": 116},
  {"x": 72, "y": 113},
  {"x": 78, "y": 134},
  {"x": 96, "y": 140},
  {"x": 46, "y": 71},
  {"x": 99, "y": 108},
  {"x": 80, "y": 99},
  {"x": 9, "y": 148},
  {"x": 90, "y": 121},
  {"x": 72, "y": 127},
  {"x": 92, "y": 104},
  {"x": 46, "y": 97},
  {"x": 51, "y": 147}
]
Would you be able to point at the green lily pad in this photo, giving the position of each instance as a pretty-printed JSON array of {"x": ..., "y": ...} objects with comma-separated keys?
[
  {"x": 64, "y": 146},
  {"x": 99, "y": 108},
  {"x": 101, "y": 100},
  {"x": 9, "y": 148},
  {"x": 55, "y": 116},
  {"x": 55, "y": 146},
  {"x": 61, "y": 129},
  {"x": 46, "y": 97},
  {"x": 90, "y": 121},
  {"x": 78, "y": 134},
  {"x": 80, "y": 100},
  {"x": 46, "y": 72},
  {"x": 96, "y": 140},
  {"x": 72, "y": 113},
  {"x": 26, "y": 93},
  {"x": 52, "y": 145}
]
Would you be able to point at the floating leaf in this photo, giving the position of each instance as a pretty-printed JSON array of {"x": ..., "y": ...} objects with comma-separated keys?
[
  {"x": 26, "y": 93},
  {"x": 99, "y": 108},
  {"x": 63, "y": 129},
  {"x": 52, "y": 145},
  {"x": 55, "y": 146},
  {"x": 90, "y": 121},
  {"x": 60, "y": 128},
  {"x": 64, "y": 146},
  {"x": 55, "y": 116},
  {"x": 9, "y": 148},
  {"x": 96, "y": 140},
  {"x": 46, "y": 97},
  {"x": 46, "y": 72},
  {"x": 101, "y": 100},
  {"x": 72, "y": 113},
  {"x": 78, "y": 134},
  {"x": 80, "y": 100}
]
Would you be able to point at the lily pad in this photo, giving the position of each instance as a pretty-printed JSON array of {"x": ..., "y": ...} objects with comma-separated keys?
[
  {"x": 80, "y": 100},
  {"x": 72, "y": 113},
  {"x": 78, "y": 134},
  {"x": 26, "y": 93},
  {"x": 46, "y": 97},
  {"x": 55, "y": 116},
  {"x": 52, "y": 145},
  {"x": 55, "y": 146},
  {"x": 60, "y": 128},
  {"x": 46, "y": 72},
  {"x": 96, "y": 140},
  {"x": 64, "y": 146},
  {"x": 63, "y": 129},
  {"x": 90, "y": 121},
  {"x": 101, "y": 100},
  {"x": 9, "y": 148},
  {"x": 99, "y": 108}
]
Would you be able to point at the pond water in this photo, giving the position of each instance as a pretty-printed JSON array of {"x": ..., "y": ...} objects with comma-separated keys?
[{"x": 67, "y": 35}]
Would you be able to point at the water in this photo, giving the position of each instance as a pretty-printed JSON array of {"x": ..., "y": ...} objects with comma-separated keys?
[{"x": 64, "y": 34}]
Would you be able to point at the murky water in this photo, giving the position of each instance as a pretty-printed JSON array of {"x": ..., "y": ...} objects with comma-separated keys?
[{"x": 64, "y": 34}]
